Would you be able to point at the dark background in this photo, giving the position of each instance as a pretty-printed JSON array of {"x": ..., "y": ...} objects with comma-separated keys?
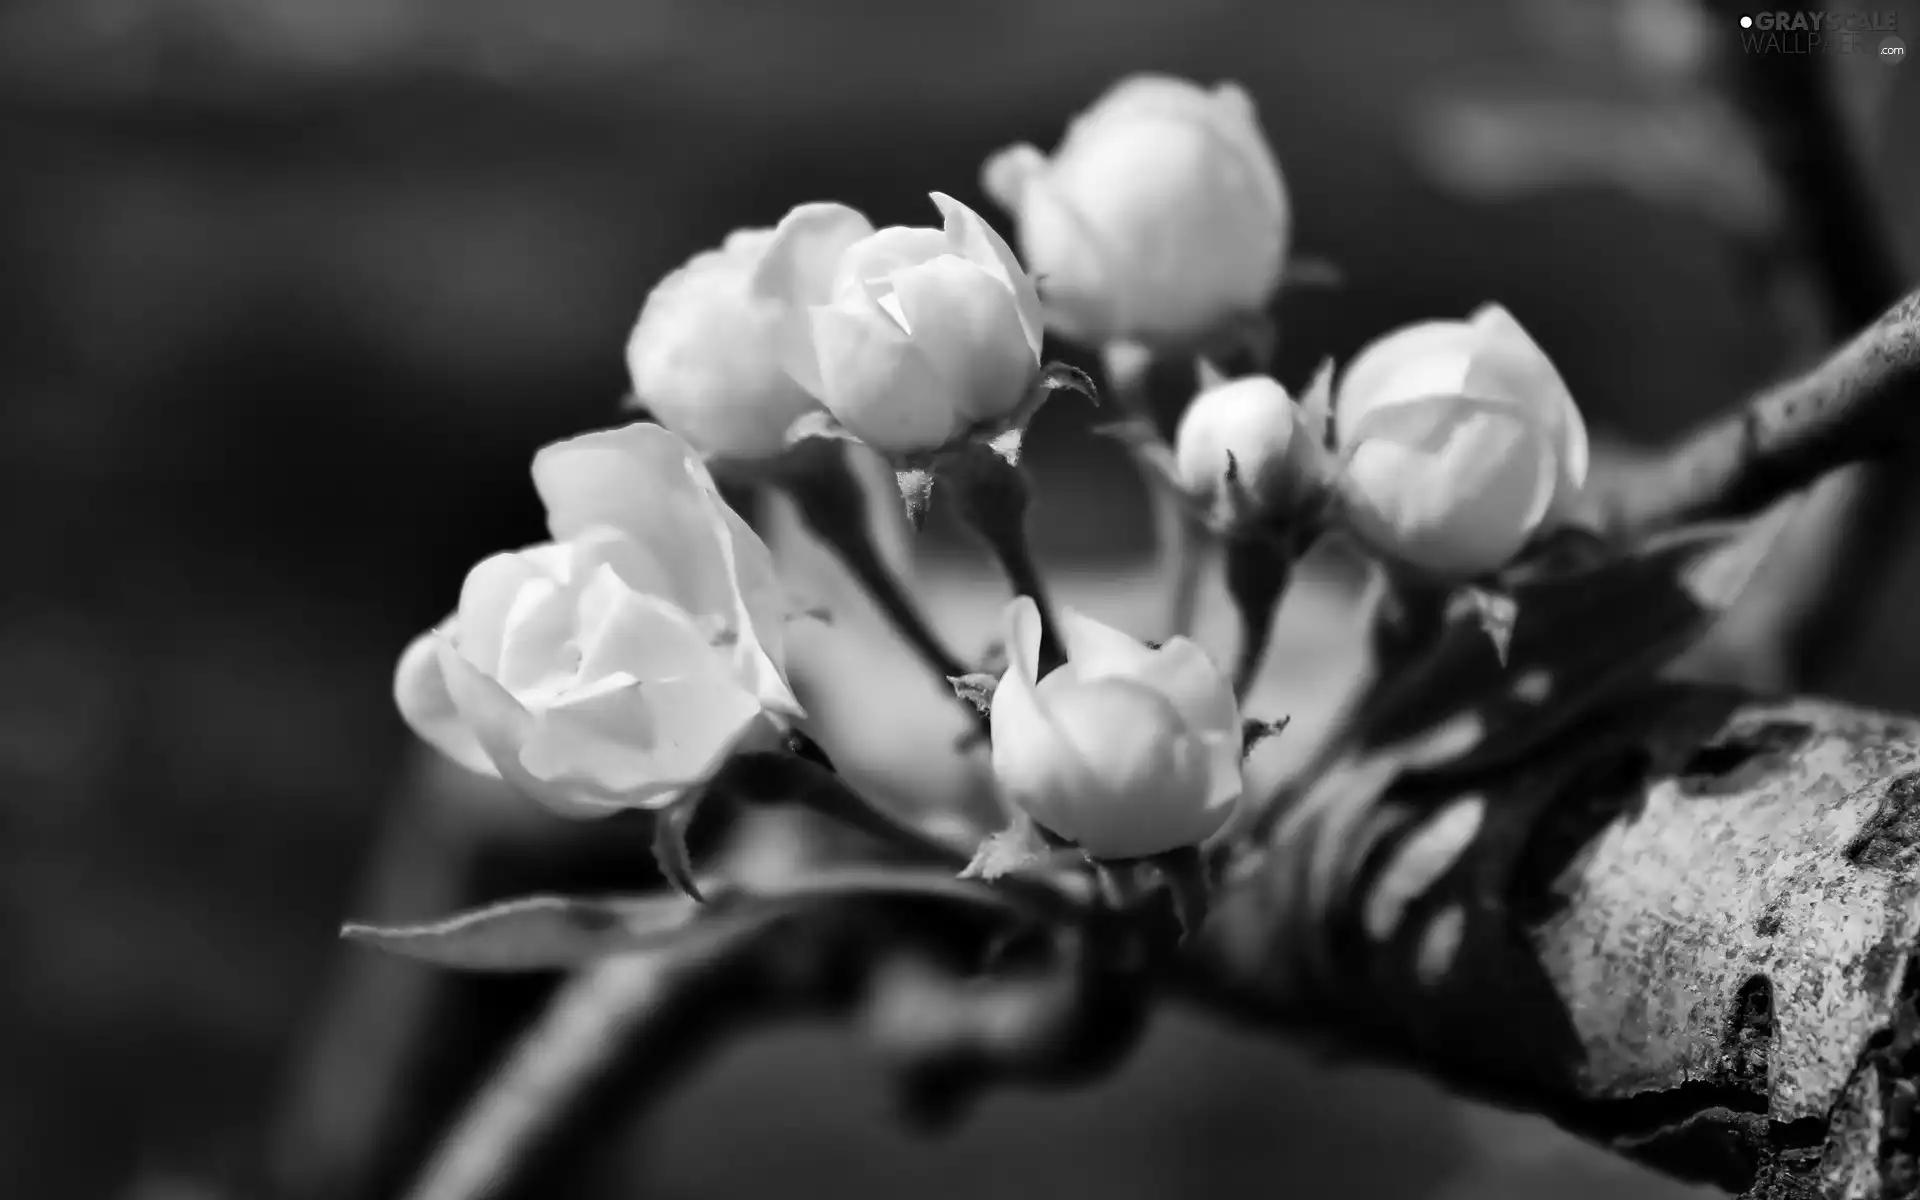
[{"x": 295, "y": 287}]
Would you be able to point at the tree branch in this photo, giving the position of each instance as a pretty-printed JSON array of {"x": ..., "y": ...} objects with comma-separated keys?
[
  {"x": 1862, "y": 403},
  {"x": 1687, "y": 931}
]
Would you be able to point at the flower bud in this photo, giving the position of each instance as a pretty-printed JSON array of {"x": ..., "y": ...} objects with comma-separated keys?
[
  {"x": 1462, "y": 444},
  {"x": 703, "y": 356},
  {"x": 1126, "y": 750},
  {"x": 910, "y": 337},
  {"x": 1278, "y": 462},
  {"x": 1160, "y": 215}
]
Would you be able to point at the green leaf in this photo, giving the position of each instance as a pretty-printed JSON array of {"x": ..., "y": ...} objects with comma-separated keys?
[{"x": 537, "y": 933}]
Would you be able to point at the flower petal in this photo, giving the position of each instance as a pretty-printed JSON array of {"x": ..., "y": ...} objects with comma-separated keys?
[
  {"x": 975, "y": 240},
  {"x": 1179, "y": 670},
  {"x": 1007, "y": 172},
  {"x": 1037, "y": 769},
  {"x": 420, "y": 692},
  {"x": 797, "y": 263},
  {"x": 1430, "y": 358},
  {"x": 638, "y": 744},
  {"x": 1021, "y": 629},
  {"x": 884, "y": 252},
  {"x": 631, "y": 634},
  {"x": 1085, "y": 280},
  {"x": 759, "y": 650},
  {"x": 1097, "y": 650},
  {"x": 487, "y": 597},
  {"x": 877, "y": 383},
  {"x": 1510, "y": 365},
  {"x": 966, "y": 326},
  {"x": 502, "y": 728},
  {"x": 796, "y": 271},
  {"x": 1148, "y": 780},
  {"x": 650, "y": 485},
  {"x": 1459, "y": 502}
]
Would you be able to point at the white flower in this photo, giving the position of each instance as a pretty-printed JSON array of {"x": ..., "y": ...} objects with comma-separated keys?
[
  {"x": 1462, "y": 443},
  {"x": 1161, "y": 214},
  {"x": 908, "y": 336},
  {"x": 1279, "y": 459},
  {"x": 621, "y": 662},
  {"x": 703, "y": 356},
  {"x": 1126, "y": 750}
]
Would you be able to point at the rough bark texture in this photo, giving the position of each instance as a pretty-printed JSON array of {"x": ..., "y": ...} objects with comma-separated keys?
[{"x": 1687, "y": 934}]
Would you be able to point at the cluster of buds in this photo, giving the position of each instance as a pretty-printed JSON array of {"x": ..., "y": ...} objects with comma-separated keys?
[{"x": 619, "y": 663}]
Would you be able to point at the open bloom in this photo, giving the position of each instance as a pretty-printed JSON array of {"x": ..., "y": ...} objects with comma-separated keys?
[
  {"x": 1126, "y": 750},
  {"x": 908, "y": 336},
  {"x": 1462, "y": 443},
  {"x": 1161, "y": 213},
  {"x": 621, "y": 662},
  {"x": 703, "y": 357},
  {"x": 1276, "y": 455}
]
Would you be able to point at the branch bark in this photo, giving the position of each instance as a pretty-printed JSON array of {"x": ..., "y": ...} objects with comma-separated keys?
[
  {"x": 1687, "y": 932},
  {"x": 1862, "y": 403}
]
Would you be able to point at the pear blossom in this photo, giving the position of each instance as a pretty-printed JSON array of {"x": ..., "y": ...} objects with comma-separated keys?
[
  {"x": 621, "y": 662},
  {"x": 703, "y": 357},
  {"x": 910, "y": 337},
  {"x": 1127, "y": 750},
  {"x": 1462, "y": 444},
  {"x": 1161, "y": 214}
]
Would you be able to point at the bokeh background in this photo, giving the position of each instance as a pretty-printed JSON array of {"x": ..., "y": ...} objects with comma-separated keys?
[{"x": 296, "y": 288}]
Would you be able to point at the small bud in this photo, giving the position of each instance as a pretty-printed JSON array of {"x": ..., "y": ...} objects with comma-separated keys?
[
  {"x": 1160, "y": 215},
  {"x": 1244, "y": 442}
]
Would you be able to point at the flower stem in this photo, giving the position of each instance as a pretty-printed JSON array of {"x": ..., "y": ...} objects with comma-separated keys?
[
  {"x": 991, "y": 496},
  {"x": 1176, "y": 536},
  {"x": 831, "y": 501}
]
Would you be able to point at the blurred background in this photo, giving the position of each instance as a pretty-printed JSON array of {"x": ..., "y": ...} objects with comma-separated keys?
[{"x": 297, "y": 288}]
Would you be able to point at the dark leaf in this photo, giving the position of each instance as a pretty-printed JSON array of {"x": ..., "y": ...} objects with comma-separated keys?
[
  {"x": 809, "y": 780},
  {"x": 1253, "y": 731},
  {"x": 1208, "y": 376},
  {"x": 1578, "y": 639},
  {"x": 1058, "y": 376},
  {"x": 538, "y": 933},
  {"x": 1178, "y": 879}
]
